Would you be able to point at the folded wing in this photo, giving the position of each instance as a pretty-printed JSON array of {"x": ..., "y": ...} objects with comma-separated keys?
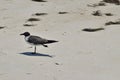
[{"x": 38, "y": 40}]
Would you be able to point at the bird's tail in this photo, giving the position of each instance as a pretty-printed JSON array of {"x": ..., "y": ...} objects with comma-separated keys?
[{"x": 51, "y": 41}]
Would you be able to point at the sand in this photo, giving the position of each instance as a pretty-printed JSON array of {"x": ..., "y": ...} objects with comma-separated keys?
[{"x": 79, "y": 55}]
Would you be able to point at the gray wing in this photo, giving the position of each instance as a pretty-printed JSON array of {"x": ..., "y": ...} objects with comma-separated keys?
[{"x": 37, "y": 40}]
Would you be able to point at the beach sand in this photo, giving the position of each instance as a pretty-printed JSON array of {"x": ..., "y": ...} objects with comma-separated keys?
[{"x": 79, "y": 55}]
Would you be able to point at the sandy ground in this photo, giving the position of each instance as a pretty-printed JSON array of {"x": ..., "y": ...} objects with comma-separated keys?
[{"x": 78, "y": 55}]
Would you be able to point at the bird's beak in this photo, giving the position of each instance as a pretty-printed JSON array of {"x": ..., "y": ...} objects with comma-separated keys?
[{"x": 22, "y": 34}]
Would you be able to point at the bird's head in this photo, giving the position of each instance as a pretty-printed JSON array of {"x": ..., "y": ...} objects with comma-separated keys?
[{"x": 25, "y": 34}]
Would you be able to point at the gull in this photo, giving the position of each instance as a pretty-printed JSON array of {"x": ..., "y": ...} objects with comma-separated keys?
[{"x": 36, "y": 40}]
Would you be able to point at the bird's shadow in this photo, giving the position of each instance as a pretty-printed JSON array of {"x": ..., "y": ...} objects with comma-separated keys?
[{"x": 36, "y": 54}]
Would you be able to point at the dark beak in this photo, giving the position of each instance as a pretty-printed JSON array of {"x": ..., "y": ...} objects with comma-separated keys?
[{"x": 22, "y": 34}]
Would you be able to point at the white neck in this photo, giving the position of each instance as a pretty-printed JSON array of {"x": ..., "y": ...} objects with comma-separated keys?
[{"x": 26, "y": 38}]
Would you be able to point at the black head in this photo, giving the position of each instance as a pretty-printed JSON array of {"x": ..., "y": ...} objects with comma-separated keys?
[{"x": 25, "y": 34}]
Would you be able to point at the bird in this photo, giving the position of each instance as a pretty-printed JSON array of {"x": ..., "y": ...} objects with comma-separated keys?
[{"x": 36, "y": 40}]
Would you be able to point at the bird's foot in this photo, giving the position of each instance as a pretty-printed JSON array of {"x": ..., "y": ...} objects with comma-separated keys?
[{"x": 33, "y": 53}]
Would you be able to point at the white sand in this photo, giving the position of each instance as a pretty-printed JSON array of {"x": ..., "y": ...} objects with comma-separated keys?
[{"x": 80, "y": 55}]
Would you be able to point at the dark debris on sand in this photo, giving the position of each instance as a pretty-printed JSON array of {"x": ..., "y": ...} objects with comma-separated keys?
[
  {"x": 33, "y": 19},
  {"x": 57, "y": 64},
  {"x": 39, "y": 0},
  {"x": 112, "y": 23},
  {"x": 40, "y": 14},
  {"x": 1, "y": 27},
  {"x": 117, "y": 2},
  {"x": 92, "y": 29},
  {"x": 108, "y": 14},
  {"x": 28, "y": 25},
  {"x": 62, "y": 12},
  {"x": 97, "y": 13},
  {"x": 97, "y": 4}
]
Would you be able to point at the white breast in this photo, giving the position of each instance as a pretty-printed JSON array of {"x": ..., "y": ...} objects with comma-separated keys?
[{"x": 26, "y": 39}]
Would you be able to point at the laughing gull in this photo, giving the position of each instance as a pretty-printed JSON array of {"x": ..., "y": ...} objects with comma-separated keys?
[{"x": 36, "y": 40}]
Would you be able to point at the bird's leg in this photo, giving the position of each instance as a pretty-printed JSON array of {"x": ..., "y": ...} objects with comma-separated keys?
[{"x": 34, "y": 50}]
